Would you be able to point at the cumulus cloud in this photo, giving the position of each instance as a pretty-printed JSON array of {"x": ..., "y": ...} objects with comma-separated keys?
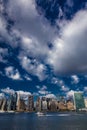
[
  {"x": 33, "y": 28},
  {"x": 57, "y": 81},
  {"x": 36, "y": 94},
  {"x": 75, "y": 79},
  {"x": 43, "y": 90},
  {"x": 3, "y": 31},
  {"x": 3, "y": 54},
  {"x": 2, "y": 95},
  {"x": 70, "y": 93},
  {"x": 64, "y": 88},
  {"x": 8, "y": 91},
  {"x": 69, "y": 53},
  {"x": 34, "y": 32},
  {"x": 85, "y": 89},
  {"x": 38, "y": 87},
  {"x": 12, "y": 73},
  {"x": 27, "y": 78},
  {"x": 23, "y": 94},
  {"x": 33, "y": 67},
  {"x": 51, "y": 96},
  {"x": 70, "y": 3}
]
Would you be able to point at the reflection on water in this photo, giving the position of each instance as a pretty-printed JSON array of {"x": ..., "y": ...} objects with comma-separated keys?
[{"x": 51, "y": 121}]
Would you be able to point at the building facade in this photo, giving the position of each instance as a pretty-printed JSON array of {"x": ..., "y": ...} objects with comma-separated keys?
[{"x": 79, "y": 100}]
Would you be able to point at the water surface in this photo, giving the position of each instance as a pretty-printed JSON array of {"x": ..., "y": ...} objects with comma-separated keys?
[{"x": 51, "y": 121}]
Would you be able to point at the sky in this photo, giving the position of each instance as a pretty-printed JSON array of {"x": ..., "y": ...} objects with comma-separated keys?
[{"x": 43, "y": 47}]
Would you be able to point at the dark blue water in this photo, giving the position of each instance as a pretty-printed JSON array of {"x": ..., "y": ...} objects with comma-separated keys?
[{"x": 51, "y": 121}]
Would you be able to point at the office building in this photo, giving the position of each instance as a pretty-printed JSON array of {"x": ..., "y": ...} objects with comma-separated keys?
[
  {"x": 85, "y": 101},
  {"x": 70, "y": 105},
  {"x": 53, "y": 105},
  {"x": 44, "y": 104},
  {"x": 79, "y": 100},
  {"x": 30, "y": 105},
  {"x": 11, "y": 102},
  {"x": 39, "y": 104}
]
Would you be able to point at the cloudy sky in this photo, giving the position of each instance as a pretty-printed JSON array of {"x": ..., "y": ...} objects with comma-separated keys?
[{"x": 43, "y": 46}]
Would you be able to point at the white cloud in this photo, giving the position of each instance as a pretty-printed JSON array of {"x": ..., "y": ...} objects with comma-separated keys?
[
  {"x": 12, "y": 73},
  {"x": 69, "y": 50},
  {"x": 36, "y": 94},
  {"x": 85, "y": 89},
  {"x": 3, "y": 53},
  {"x": 44, "y": 87},
  {"x": 43, "y": 90},
  {"x": 8, "y": 90},
  {"x": 70, "y": 3},
  {"x": 23, "y": 94},
  {"x": 38, "y": 87},
  {"x": 33, "y": 28},
  {"x": 50, "y": 96},
  {"x": 57, "y": 81},
  {"x": 33, "y": 67},
  {"x": 69, "y": 53},
  {"x": 70, "y": 93},
  {"x": 2, "y": 27},
  {"x": 2, "y": 95},
  {"x": 1, "y": 6},
  {"x": 64, "y": 88},
  {"x": 27, "y": 78},
  {"x": 75, "y": 79}
]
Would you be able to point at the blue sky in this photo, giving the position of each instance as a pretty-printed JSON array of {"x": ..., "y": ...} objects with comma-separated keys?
[{"x": 43, "y": 46}]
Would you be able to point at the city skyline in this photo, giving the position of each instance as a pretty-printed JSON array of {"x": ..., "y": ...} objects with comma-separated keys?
[
  {"x": 43, "y": 47},
  {"x": 16, "y": 102}
]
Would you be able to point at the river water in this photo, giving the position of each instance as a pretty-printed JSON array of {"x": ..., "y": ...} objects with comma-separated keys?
[{"x": 50, "y": 121}]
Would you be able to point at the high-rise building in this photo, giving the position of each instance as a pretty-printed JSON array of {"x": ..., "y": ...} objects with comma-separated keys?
[
  {"x": 21, "y": 105},
  {"x": 62, "y": 106},
  {"x": 18, "y": 102},
  {"x": 39, "y": 104},
  {"x": 30, "y": 105},
  {"x": 11, "y": 102},
  {"x": 53, "y": 104},
  {"x": 70, "y": 105},
  {"x": 44, "y": 104},
  {"x": 1, "y": 102},
  {"x": 4, "y": 105},
  {"x": 85, "y": 101},
  {"x": 79, "y": 100}
]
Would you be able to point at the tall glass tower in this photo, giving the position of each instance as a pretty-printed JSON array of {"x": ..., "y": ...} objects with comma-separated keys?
[{"x": 79, "y": 100}]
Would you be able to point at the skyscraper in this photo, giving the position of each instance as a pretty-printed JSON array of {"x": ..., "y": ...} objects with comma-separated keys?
[
  {"x": 79, "y": 100},
  {"x": 30, "y": 103},
  {"x": 44, "y": 103},
  {"x": 39, "y": 104},
  {"x": 11, "y": 102}
]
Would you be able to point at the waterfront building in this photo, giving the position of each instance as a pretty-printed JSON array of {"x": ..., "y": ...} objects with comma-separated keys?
[
  {"x": 39, "y": 104},
  {"x": 53, "y": 105},
  {"x": 1, "y": 102},
  {"x": 48, "y": 103},
  {"x": 30, "y": 105},
  {"x": 62, "y": 106},
  {"x": 11, "y": 102},
  {"x": 44, "y": 104},
  {"x": 85, "y": 101},
  {"x": 70, "y": 105},
  {"x": 18, "y": 102},
  {"x": 79, "y": 100},
  {"x": 4, "y": 105},
  {"x": 21, "y": 105}
]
